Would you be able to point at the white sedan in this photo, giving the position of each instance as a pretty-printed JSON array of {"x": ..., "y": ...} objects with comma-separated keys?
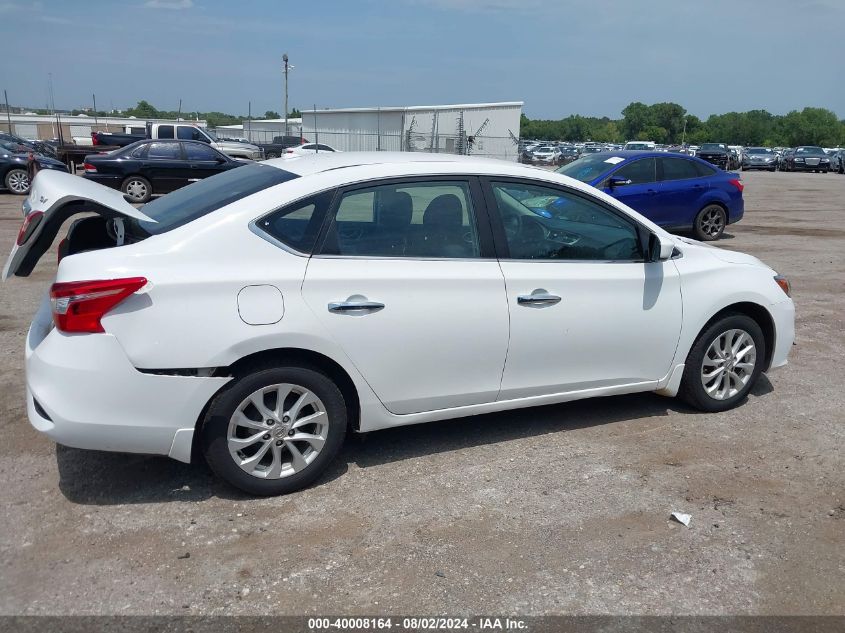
[
  {"x": 258, "y": 314},
  {"x": 309, "y": 148}
]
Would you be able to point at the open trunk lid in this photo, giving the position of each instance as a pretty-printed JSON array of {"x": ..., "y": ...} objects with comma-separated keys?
[{"x": 55, "y": 196}]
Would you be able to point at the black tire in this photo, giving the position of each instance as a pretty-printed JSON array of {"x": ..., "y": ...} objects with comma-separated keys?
[
  {"x": 137, "y": 188},
  {"x": 710, "y": 223},
  {"x": 692, "y": 390},
  {"x": 215, "y": 428},
  {"x": 17, "y": 182},
  {"x": 272, "y": 154}
]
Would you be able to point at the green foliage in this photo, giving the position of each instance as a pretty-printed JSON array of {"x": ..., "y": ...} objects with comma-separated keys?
[
  {"x": 664, "y": 123},
  {"x": 272, "y": 114}
]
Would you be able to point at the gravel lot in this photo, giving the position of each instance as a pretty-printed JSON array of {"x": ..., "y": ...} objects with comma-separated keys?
[{"x": 558, "y": 509}]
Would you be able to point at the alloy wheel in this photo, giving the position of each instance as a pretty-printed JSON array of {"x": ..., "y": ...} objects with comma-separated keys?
[
  {"x": 18, "y": 181},
  {"x": 728, "y": 364},
  {"x": 277, "y": 431},
  {"x": 712, "y": 221}
]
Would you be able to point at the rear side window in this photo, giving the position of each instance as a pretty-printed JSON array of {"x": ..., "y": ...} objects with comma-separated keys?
[
  {"x": 678, "y": 169},
  {"x": 165, "y": 131},
  {"x": 703, "y": 169},
  {"x": 298, "y": 224},
  {"x": 201, "y": 198},
  {"x": 639, "y": 171},
  {"x": 166, "y": 151}
]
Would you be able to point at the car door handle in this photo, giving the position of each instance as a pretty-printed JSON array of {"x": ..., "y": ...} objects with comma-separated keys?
[
  {"x": 537, "y": 299},
  {"x": 355, "y": 306}
]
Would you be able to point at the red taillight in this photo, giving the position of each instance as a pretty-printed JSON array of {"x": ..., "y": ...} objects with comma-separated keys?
[
  {"x": 94, "y": 139},
  {"x": 78, "y": 306},
  {"x": 736, "y": 182},
  {"x": 30, "y": 223},
  {"x": 89, "y": 168}
]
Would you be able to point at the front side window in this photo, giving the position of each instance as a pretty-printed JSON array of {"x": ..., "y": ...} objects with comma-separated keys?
[
  {"x": 189, "y": 133},
  {"x": 200, "y": 151},
  {"x": 547, "y": 223},
  {"x": 638, "y": 172},
  {"x": 420, "y": 219},
  {"x": 678, "y": 169},
  {"x": 164, "y": 151}
]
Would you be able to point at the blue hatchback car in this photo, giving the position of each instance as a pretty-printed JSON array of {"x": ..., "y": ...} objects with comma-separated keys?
[{"x": 675, "y": 191}]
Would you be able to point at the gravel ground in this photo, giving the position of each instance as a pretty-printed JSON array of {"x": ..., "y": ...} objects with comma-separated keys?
[{"x": 558, "y": 509}]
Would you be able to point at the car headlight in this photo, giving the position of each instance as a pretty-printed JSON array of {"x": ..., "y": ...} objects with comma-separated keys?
[
  {"x": 769, "y": 159},
  {"x": 825, "y": 160},
  {"x": 799, "y": 160}
]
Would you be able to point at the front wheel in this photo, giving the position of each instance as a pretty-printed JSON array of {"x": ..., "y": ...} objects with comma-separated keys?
[
  {"x": 723, "y": 364},
  {"x": 710, "y": 223},
  {"x": 275, "y": 430},
  {"x": 138, "y": 189},
  {"x": 17, "y": 181}
]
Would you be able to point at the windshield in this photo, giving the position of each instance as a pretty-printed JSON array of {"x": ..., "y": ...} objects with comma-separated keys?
[
  {"x": 588, "y": 168},
  {"x": 758, "y": 150},
  {"x": 211, "y": 134},
  {"x": 813, "y": 151},
  {"x": 12, "y": 148},
  {"x": 712, "y": 146},
  {"x": 201, "y": 198}
]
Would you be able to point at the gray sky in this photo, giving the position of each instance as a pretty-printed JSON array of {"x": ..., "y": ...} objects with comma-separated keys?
[{"x": 559, "y": 56}]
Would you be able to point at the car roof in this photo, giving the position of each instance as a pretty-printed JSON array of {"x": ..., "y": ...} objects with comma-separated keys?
[
  {"x": 304, "y": 165},
  {"x": 638, "y": 153}
]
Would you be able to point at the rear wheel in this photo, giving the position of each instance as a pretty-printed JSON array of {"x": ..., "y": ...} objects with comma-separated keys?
[
  {"x": 17, "y": 181},
  {"x": 710, "y": 223},
  {"x": 137, "y": 188},
  {"x": 275, "y": 430},
  {"x": 723, "y": 364},
  {"x": 272, "y": 154}
]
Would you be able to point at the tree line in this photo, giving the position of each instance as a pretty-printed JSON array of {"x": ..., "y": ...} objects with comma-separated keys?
[{"x": 670, "y": 123}]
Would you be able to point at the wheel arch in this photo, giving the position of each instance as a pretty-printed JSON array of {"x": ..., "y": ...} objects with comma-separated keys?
[
  {"x": 281, "y": 357},
  {"x": 761, "y": 316}
]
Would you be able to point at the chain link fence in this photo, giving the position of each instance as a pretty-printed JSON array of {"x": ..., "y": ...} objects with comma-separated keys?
[{"x": 505, "y": 148}]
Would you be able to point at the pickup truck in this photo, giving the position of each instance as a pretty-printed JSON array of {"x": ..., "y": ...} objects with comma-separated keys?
[
  {"x": 280, "y": 144},
  {"x": 184, "y": 131},
  {"x": 717, "y": 154}
]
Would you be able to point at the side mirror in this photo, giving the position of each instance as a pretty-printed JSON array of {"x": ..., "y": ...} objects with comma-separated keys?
[
  {"x": 660, "y": 248},
  {"x": 617, "y": 182}
]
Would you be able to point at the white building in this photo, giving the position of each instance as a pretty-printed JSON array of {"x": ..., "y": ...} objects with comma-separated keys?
[{"x": 480, "y": 129}]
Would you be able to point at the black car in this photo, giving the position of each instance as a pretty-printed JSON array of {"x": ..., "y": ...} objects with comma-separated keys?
[
  {"x": 14, "y": 166},
  {"x": 807, "y": 158},
  {"x": 715, "y": 153},
  {"x": 150, "y": 167},
  {"x": 39, "y": 147},
  {"x": 280, "y": 144}
]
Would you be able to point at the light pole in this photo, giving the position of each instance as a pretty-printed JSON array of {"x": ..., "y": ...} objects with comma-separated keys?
[{"x": 285, "y": 60}]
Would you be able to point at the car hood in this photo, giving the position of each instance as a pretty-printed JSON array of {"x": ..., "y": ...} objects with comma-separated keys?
[
  {"x": 229, "y": 145},
  {"x": 731, "y": 257}
]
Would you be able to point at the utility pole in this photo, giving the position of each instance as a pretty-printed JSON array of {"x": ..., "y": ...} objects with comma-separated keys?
[
  {"x": 94, "y": 99},
  {"x": 8, "y": 116},
  {"x": 285, "y": 60}
]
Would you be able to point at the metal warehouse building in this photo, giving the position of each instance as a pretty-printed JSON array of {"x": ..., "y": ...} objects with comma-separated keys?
[{"x": 480, "y": 129}]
